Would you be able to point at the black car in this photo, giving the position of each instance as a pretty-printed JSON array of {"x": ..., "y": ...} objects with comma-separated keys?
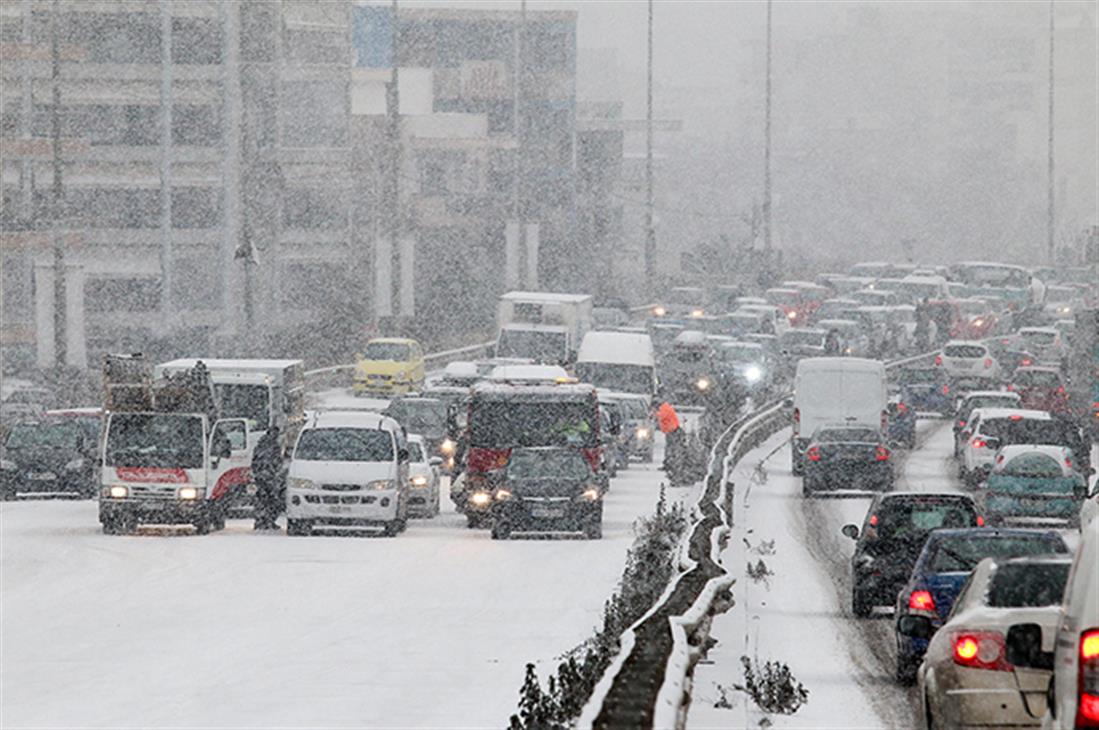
[
  {"x": 891, "y": 538},
  {"x": 48, "y": 456},
  {"x": 902, "y": 423},
  {"x": 548, "y": 490},
  {"x": 926, "y": 389},
  {"x": 840, "y": 456}
]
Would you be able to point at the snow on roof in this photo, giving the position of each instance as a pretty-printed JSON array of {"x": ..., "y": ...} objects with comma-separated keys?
[
  {"x": 915, "y": 279},
  {"x": 351, "y": 419},
  {"x": 531, "y": 327},
  {"x": 840, "y": 363},
  {"x": 1039, "y": 330},
  {"x": 544, "y": 297},
  {"x": 539, "y": 391},
  {"x": 690, "y": 337},
  {"x": 991, "y": 393},
  {"x": 529, "y": 373},
  {"x": 837, "y": 323},
  {"x": 213, "y": 363},
  {"x": 625, "y": 348},
  {"x": 461, "y": 369},
  {"x": 987, "y": 413},
  {"x": 1011, "y": 451},
  {"x": 393, "y": 340},
  {"x": 89, "y": 411}
]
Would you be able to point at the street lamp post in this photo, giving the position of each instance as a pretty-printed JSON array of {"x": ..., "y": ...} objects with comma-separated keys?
[{"x": 650, "y": 232}]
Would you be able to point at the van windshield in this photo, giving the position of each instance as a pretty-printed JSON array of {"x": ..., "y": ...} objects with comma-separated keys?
[
  {"x": 507, "y": 424},
  {"x": 155, "y": 440},
  {"x": 62, "y": 435},
  {"x": 617, "y": 376},
  {"x": 344, "y": 444},
  {"x": 393, "y": 351}
]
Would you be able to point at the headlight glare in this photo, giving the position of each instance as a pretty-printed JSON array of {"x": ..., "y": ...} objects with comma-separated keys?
[
  {"x": 190, "y": 493},
  {"x": 480, "y": 499},
  {"x": 702, "y": 383},
  {"x": 119, "y": 492},
  {"x": 591, "y": 494},
  {"x": 502, "y": 494},
  {"x": 419, "y": 481},
  {"x": 643, "y": 433},
  {"x": 659, "y": 311},
  {"x": 448, "y": 446},
  {"x": 753, "y": 373},
  {"x": 380, "y": 484}
]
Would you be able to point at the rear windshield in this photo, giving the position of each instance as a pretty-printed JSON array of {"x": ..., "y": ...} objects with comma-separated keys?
[
  {"x": 961, "y": 554},
  {"x": 1033, "y": 465},
  {"x": 898, "y": 519},
  {"x": 1037, "y": 379},
  {"x": 1038, "y": 338},
  {"x": 419, "y": 416},
  {"x": 966, "y": 351},
  {"x": 795, "y": 337},
  {"x": 920, "y": 376},
  {"x": 848, "y": 435},
  {"x": 344, "y": 444},
  {"x": 989, "y": 401},
  {"x": 1042, "y": 431},
  {"x": 1025, "y": 585}
]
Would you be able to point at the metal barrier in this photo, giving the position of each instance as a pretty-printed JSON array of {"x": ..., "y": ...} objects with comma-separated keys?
[
  {"x": 340, "y": 375},
  {"x": 648, "y": 683}
]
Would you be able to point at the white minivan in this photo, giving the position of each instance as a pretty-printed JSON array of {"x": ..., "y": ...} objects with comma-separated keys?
[
  {"x": 618, "y": 361},
  {"x": 836, "y": 390},
  {"x": 349, "y": 470}
]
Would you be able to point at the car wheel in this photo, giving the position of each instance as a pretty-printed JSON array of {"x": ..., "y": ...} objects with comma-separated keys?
[
  {"x": 594, "y": 530},
  {"x": 475, "y": 520},
  {"x": 501, "y": 531},
  {"x": 796, "y": 467},
  {"x": 202, "y": 525},
  {"x": 8, "y": 495},
  {"x": 905, "y": 673},
  {"x": 297, "y": 528},
  {"x": 394, "y": 527},
  {"x": 861, "y": 604}
]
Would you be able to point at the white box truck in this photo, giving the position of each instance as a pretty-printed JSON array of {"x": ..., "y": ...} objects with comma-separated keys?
[
  {"x": 830, "y": 390},
  {"x": 542, "y": 326}
]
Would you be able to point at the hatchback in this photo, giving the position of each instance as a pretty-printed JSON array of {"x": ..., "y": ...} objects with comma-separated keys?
[
  {"x": 962, "y": 359},
  {"x": 1030, "y": 480},
  {"x": 847, "y": 457},
  {"x": 1040, "y": 388}
]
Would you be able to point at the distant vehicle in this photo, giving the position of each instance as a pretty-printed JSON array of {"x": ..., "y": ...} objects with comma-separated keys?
[
  {"x": 892, "y": 536},
  {"x": 804, "y": 342},
  {"x": 424, "y": 416},
  {"x": 618, "y": 361},
  {"x": 979, "y": 399},
  {"x": 853, "y": 336},
  {"x": 1044, "y": 342},
  {"x": 663, "y": 334},
  {"x": 1075, "y": 658},
  {"x": 792, "y": 302},
  {"x": 682, "y": 302},
  {"x": 1012, "y": 285},
  {"x": 529, "y": 374},
  {"x": 1083, "y": 372},
  {"x": 545, "y": 327},
  {"x": 901, "y": 432},
  {"x": 842, "y": 456},
  {"x": 423, "y": 479},
  {"x": 915, "y": 289},
  {"x": 638, "y": 429},
  {"x": 688, "y": 372},
  {"x": 828, "y": 390},
  {"x": 460, "y": 374},
  {"x": 969, "y": 360},
  {"x": 831, "y": 308},
  {"x": 389, "y": 366},
  {"x": 349, "y": 470},
  {"x": 925, "y": 388},
  {"x": 1040, "y": 388},
  {"x": 875, "y": 297},
  {"x": 747, "y": 365},
  {"x": 50, "y": 456},
  {"x": 1061, "y": 302},
  {"x": 902, "y": 328},
  {"x": 943, "y": 567},
  {"x": 967, "y": 678},
  {"x": 1034, "y": 481},
  {"x": 874, "y": 269},
  {"x": 989, "y": 429},
  {"x": 547, "y": 490},
  {"x": 776, "y": 320}
]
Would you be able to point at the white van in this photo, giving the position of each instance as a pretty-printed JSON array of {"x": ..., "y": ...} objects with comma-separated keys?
[
  {"x": 618, "y": 361},
  {"x": 349, "y": 469},
  {"x": 836, "y": 390}
]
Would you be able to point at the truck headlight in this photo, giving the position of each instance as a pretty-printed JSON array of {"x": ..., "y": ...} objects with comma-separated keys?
[
  {"x": 380, "y": 484},
  {"x": 117, "y": 492},
  {"x": 480, "y": 499},
  {"x": 7, "y": 465},
  {"x": 753, "y": 373},
  {"x": 792, "y": 315},
  {"x": 77, "y": 463},
  {"x": 643, "y": 433},
  {"x": 296, "y": 483},
  {"x": 191, "y": 493},
  {"x": 419, "y": 481},
  {"x": 448, "y": 446},
  {"x": 702, "y": 383}
]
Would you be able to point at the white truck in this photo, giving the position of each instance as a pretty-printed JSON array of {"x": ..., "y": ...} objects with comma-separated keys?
[
  {"x": 542, "y": 326},
  {"x": 831, "y": 390}
]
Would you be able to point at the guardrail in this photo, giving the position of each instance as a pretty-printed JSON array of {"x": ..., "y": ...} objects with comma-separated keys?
[
  {"x": 337, "y": 375},
  {"x": 648, "y": 683}
]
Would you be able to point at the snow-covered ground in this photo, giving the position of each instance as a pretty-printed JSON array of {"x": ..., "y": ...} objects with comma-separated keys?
[{"x": 431, "y": 629}]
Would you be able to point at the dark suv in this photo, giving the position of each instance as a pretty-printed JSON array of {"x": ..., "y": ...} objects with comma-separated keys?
[
  {"x": 891, "y": 538},
  {"x": 548, "y": 490}
]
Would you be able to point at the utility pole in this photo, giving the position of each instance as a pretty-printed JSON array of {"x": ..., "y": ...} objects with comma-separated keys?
[
  {"x": 165, "y": 163},
  {"x": 767, "y": 146},
  {"x": 393, "y": 214},
  {"x": 59, "y": 321},
  {"x": 650, "y": 232},
  {"x": 1051, "y": 210}
]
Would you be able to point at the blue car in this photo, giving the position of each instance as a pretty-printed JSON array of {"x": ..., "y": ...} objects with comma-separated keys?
[
  {"x": 944, "y": 565},
  {"x": 926, "y": 389}
]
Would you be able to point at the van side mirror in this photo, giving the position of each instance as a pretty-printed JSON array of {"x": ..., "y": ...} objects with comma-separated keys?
[
  {"x": 850, "y": 531},
  {"x": 915, "y": 627},
  {"x": 402, "y": 455},
  {"x": 1024, "y": 647},
  {"x": 436, "y": 461}
]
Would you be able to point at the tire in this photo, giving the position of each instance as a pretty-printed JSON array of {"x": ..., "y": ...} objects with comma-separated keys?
[
  {"x": 203, "y": 524},
  {"x": 797, "y": 468},
  {"x": 861, "y": 605},
  {"x": 475, "y": 520},
  {"x": 395, "y": 527},
  {"x": 436, "y": 507},
  {"x": 297, "y": 528},
  {"x": 8, "y": 495},
  {"x": 594, "y": 530},
  {"x": 905, "y": 673},
  {"x": 501, "y": 531},
  {"x": 121, "y": 525}
]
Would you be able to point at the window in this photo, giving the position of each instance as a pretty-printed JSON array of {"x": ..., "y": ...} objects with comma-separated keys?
[
  {"x": 305, "y": 45},
  {"x": 196, "y": 282},
  {"x": 344, "y": 444},
  {"x": 315, "y": 113},
  {"x": 102, "y": 124},
  {"x": 130, "y": 294},
  {"x": 549, "y": 48},
  {"x": 136, "y": 39},
  {"x": 258, "y": 22},
  {"x": 105, "y": 207},
  {"x": 194, "y": 207},
  {"x": 313, "y": 209},
  {"x": 196, "y": 41},
  {"x": 11, "y": 115},
  {"x": 194, "y": 124}
]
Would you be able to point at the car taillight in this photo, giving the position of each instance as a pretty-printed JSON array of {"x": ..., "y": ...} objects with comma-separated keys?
[
  {"x": 980, "y": 521},
  {"x": 873, "y": 520},
  {"x": 946, "y": 390},
  {"x": 1027, "y": 361},
  {"x": 938, "y": 359},
  {"x": 961, "y": 423},
  {"x": 1087, "y": 708},
  {"x": 881, "y": 454},
  {"x": 988, "y": 362},
  {"x": 978, "y": 443},
  {"x": 813, "y": 454},
  {"x": 980, "y": 650},
  {"x": 1011, "y": 387},
  {"x": 921, "y": 601},
  {"x": 1014, "y": 417},
  {"x": 1068, "y": 463},
  {"x": 902, "y": 408},
  {"x": 1060, "y": 390}
]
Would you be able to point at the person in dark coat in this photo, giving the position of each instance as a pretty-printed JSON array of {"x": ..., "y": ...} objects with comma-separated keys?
[{"x": 266, "y": 473}]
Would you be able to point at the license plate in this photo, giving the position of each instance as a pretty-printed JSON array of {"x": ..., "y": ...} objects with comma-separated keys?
[
  {"x": 546, "y": 512},
  {"x": 339, "y": 508},
  {"x": 251, "y": 489},
  {"x": 43, "y": 476}
]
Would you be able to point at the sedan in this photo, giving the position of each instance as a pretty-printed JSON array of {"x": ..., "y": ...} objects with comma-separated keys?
[
  {"x": 423, "y": 476},
  {"x": 944, "y": 565},
  {"x": 847, "y": 457},
  {"x": 1034, "y": 481},
  {"x": 1040, "y": 388},
  {"x": 967, "y": 678},
  {"x": 926, "y": 389},
  {"x": 970, "y": 361}
]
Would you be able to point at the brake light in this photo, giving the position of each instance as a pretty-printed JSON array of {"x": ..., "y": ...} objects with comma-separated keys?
[
  {"x": 873, "y": 520},
  {"x": 961, "y": 423},
  {"x": 1015, "y": 417},
  {"x": 938, "y": 359},
  {"x": 1060, "y": 390},
  {"x": 988, "y": 362},
  {"x": 1027, "y": 361},
  {"x": 946, "y": 390},
  {"x": 980, "y": 521},
  {"x": 921, "y": 601},
  {"x": 881, "y": 454},
  {"x": 1068, "y": 463},
  {"x": 813, "y": 454},
  {"x": 1011, "y": 387},
  {"x": 978, "y": 443},
  {"x": 980, "y": 650},
  {"x": 1089, "y": 645},
  {"x": 902, "y": 408},
  {"x": 1087, "y": 708}
]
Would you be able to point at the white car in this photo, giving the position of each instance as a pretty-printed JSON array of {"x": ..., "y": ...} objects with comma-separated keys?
[
  {"x": 423, "y": 478},
  {"x": 1045, "y": 343},
  {"x": 777, "y": 321},
  {"x": 349, "y": 469},
  {"x": 969, "y": 360},
  {"x": 966, "y": 679},
  {"x": 981, "y": 439}
]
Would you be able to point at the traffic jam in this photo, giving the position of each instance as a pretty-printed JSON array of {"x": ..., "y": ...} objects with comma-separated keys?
[{"x": 990, "y": 586}]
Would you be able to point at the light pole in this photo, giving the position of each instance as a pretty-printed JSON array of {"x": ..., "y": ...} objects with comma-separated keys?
[{"x": 650, "y": 232}]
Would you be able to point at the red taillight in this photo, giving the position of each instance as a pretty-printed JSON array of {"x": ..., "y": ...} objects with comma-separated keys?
[
  {"x": 1027, "y": 361},
  {"x": 1068, "y": 463},
  {"x": 988, "y": 362},
  {"x": 873, "y": 520},
  {"x": 881, "y": 454},
  {"x": 921, "y": 601},
  {"x": 813, "y": 454},
  {"x": 1015, "y": 417},
  {"x": 978, "y": 443},
  {"x": 1060, "y": 390},
  {"x": 961, "y": 423},
  {"x": 1089, "y": 645},
  {"x": 1011, "y": 387},
  {"x": 938, "y": 359},
  {"x": 980, "y": 650},
  {"x": 1087, "y": 708},
  {"x": 946, "y": 390},
  {"x": 980, "y": 521},
  {"x": 1087, "y": 711},
  {"x": 902, "y": 408}
]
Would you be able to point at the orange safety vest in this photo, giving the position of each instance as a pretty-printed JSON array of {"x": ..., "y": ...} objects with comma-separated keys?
[{"x": 666, "y": 417}]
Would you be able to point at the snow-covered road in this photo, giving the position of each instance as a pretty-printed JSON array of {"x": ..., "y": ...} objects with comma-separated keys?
[{"x": 243, "y": 629}]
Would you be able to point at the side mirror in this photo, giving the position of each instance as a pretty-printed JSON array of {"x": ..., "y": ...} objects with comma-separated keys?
[
  {"x": 993, "y": 442},
  {"x": 214, "y": 461},
  {"x": 1024, "y": 647},
  {"x": 402, "y": 455},
  {"x": 435, "y": 461},
  {"x": 850, "y": 531},
  {"x": 788, "y": 403},
  {"x": 915, "y": 627}
]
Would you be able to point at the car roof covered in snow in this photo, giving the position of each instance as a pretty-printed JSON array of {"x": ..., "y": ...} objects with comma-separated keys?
[
  {"x": 533, "y": 391},
  {"x": 987, "y": 413},
  {"x": 691, "y": 338},
  {"x": 461, "y": 369},
  {"x": 546, "y": 297},
  {"x": 214, "y": 363},
  {"x": 352, "y": 419},
  {"x": 992, "y": 393},
  {"x": 627, "y": 348},
  {"x": 528, "y": 373}
]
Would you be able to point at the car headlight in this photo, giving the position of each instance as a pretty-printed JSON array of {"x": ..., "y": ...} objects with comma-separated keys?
[
  {"x": 117, "y": 492},
  {"x": 296, "y": 483},
  {"x": 419, "y": 481},
  {"x": 502, "y": 494},
  {"x": 792, "y": 315},
  {"x": 697, "y": 313},
  {"x": 448, "y": 446},
  {"x": 380, "y": 484},
  {"x": 190, "y": 493},
  {"x": 643, "y": 433},
  {"x": 659, "y": 311},
  {"x": 77, "y": 463},
  {"x": 591, "y": 494},
  {"x": 753, "y": 373},
  {"x": 8, "y": 465},
  {"x": 480, "y": 499},
  {"x": 702, "y": 383}
]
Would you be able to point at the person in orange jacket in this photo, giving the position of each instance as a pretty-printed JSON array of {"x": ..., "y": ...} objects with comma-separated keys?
[{"x": 668, "y": 420}]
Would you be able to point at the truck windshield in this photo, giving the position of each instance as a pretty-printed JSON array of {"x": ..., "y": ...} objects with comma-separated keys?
[
  {"x": 245, "y": 401},
  {"x": 538, "y": 345},
  {"x": 344, "y": 444},
  {"x": 509, "y": 424},
  {"x": 393, "y": 351},
  {"x": 155, "y": 440},
  {"x": 617, "y": 376},
  {"x": 44, "y": 436}
]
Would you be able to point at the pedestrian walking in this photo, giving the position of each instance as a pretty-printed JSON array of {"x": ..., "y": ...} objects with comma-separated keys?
[
  {"x": 668, "y": 421},
  {"x": 266, "y": 473}
]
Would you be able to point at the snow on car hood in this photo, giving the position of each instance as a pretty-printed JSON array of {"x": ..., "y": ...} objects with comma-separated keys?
[{"x": 343, "y": 472}]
